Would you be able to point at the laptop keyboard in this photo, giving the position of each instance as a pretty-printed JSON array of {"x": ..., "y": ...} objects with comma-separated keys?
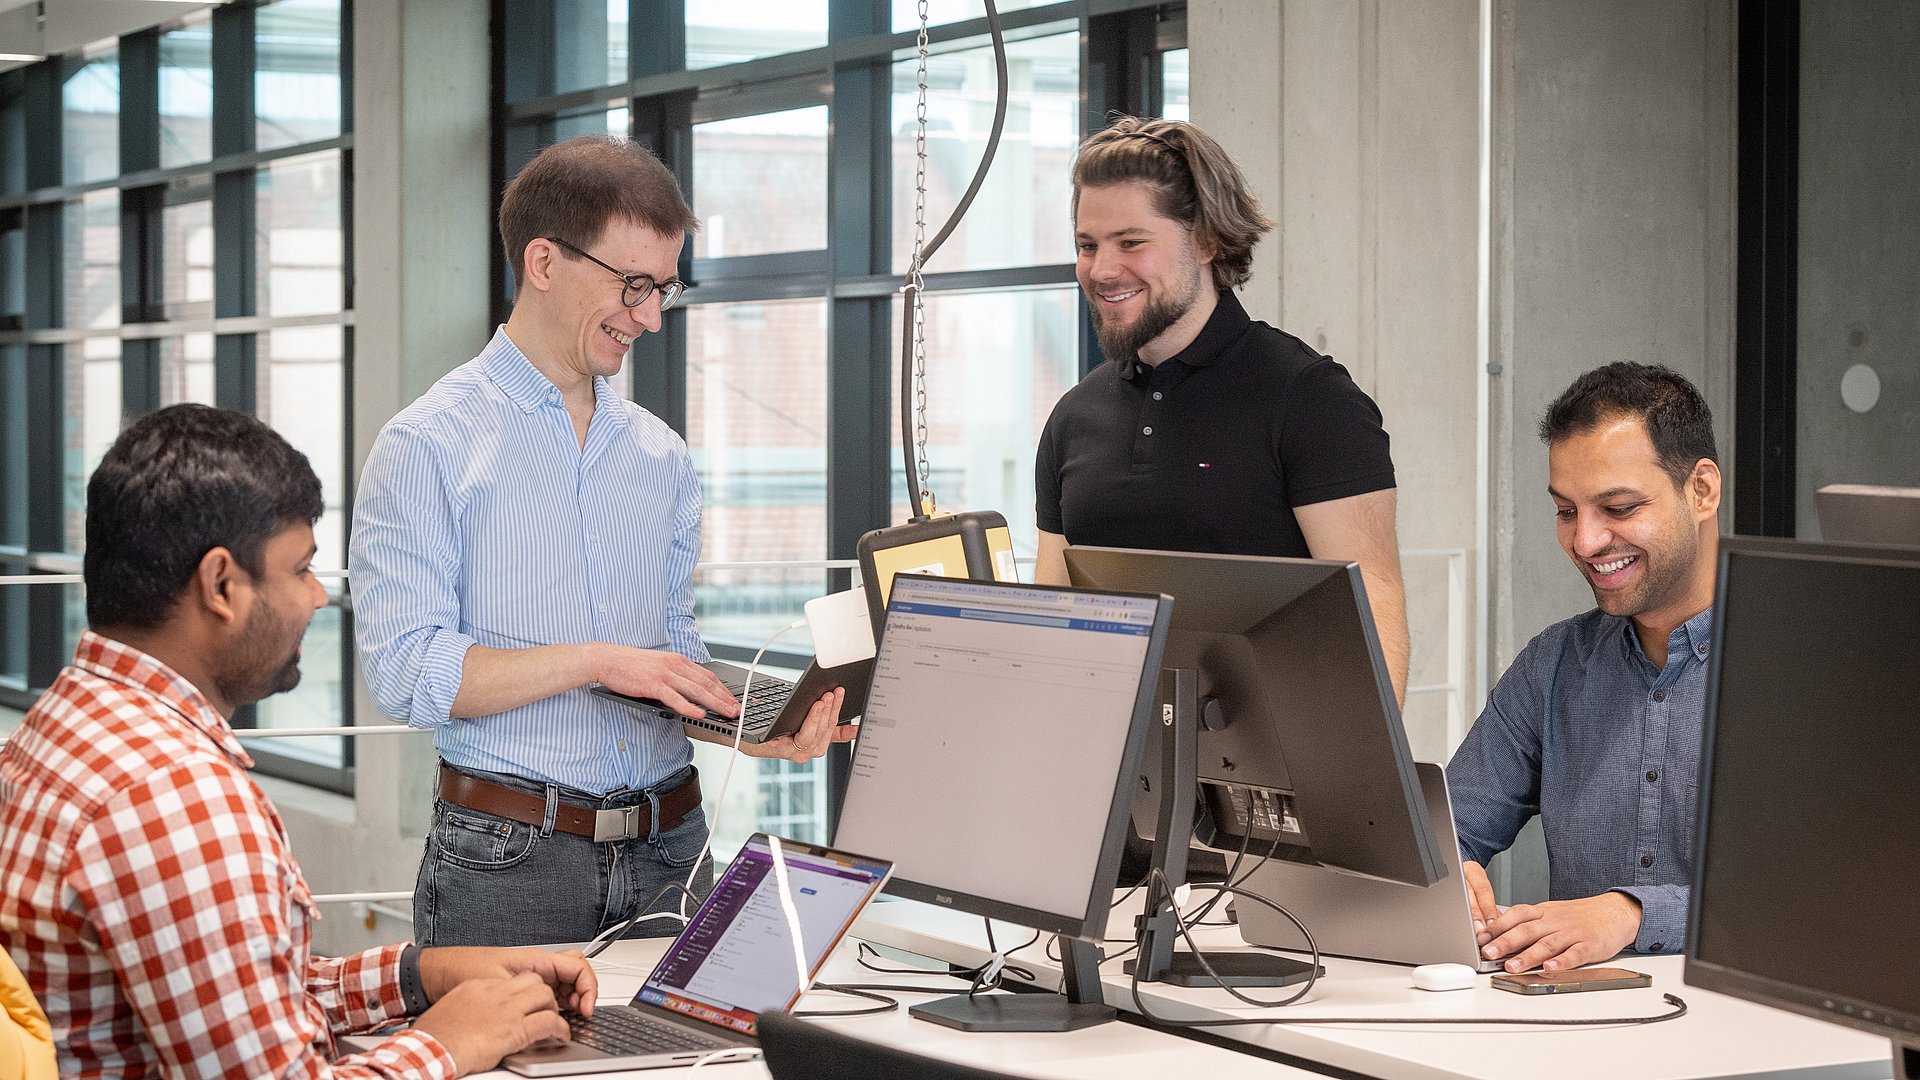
[
  {"x": 624, "y": 1032},
  {"x": 769, "y": 698}
]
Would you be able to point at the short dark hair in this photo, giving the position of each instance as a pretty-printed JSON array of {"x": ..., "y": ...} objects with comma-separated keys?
[
  {"x": 175, "y": 485},
  {"x": 574, "y": 189},
  {"x": 1194, "y": 183},
  {"x": 1666, "y": 404}
]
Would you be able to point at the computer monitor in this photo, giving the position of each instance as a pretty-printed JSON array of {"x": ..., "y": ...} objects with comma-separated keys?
[
  {"x": 1299, "y": 746},
  {"x": 1804, "y": 896},
  {"x": 1003, "y": 725},
  {"x": 1869, "y": 514}
]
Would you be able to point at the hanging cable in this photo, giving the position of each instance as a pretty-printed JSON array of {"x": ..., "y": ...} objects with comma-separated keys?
[{"x": 913, "y": 361}]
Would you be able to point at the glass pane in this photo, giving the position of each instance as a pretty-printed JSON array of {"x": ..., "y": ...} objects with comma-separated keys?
[
  {"x": 186, "y": 369},
  {"x": 186, "y": 95},
  {"x": 589, "y": 46},
  {"x": 90, "y": 123},
  {"x": 316, "y": 702},
  {"x": 300, "y": 379},
  {"x": 91, "y": 228},
  {"x": 996, "y": 363},
  {"x": 760, "y": 183},
  {"x": 1173, "y": 85},
  {"x": 13, "y": 274},
  {"x": 593, "y": 122},
  {"x": 93, "y": 422},
  {"x": 296, "y": 81},
  {"x": 906, "y": 13},
  {"x": 300, "y": 247},
  {"x": 1020, "y": 217},
  {"x": 186, "y": 259},
  {"x": 729, "y": 31}
]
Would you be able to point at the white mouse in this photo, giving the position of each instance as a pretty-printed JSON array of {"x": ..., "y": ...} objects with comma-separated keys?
[{"x": 1444, "y": 976}]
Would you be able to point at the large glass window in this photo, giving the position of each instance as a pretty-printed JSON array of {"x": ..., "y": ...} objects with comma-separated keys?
[
  {"x": 300, "y": 258},
  {"x": 186, "y": 94},
  {"x": 760, "y": 183},
  {"x": 90, "y": 124},
  {"x": 730, "y": 31},
  {"x": 1174, "y": 81},
  {"x": 186, "y": 369},
  {"x": 186, "y": 259},
  {"x": 906, "y": 13},
  {"x": 296, "y": 82},
  {"x": 572, "y": 45},
  {"x": 92, "y": 241},
  {"x": 1020, "y": 216}
]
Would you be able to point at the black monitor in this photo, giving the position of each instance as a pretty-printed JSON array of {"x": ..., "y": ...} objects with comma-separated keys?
[
  {"x": 1003, "y": 725},
  {"x": 1804, "y": 894},
  {"x": 1299, "y": 747}
]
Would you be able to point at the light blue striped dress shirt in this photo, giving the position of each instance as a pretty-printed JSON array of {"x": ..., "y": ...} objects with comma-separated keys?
[
  {"x": 1584, "y": 731},
  {"x": 481, "y": 519}
]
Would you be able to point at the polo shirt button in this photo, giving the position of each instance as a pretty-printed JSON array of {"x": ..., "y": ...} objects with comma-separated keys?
[
  {"x": 1656, "y": 946},
  {"x": 1660, "y": 695},
  {"x": 1156, "y": 395},
  {"x": 1652, "y": 775},
  {"x": 1646, "y": 860},
  {"x": 1146, "y": 430}
]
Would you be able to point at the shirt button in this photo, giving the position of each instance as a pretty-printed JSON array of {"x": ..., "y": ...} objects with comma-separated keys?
[
  {"x": 1660, "y": 695},
  {"x": 623, "y": 746},
  {"x": 1148, "y": 430},
  {"x": 1156, "y": 395},
  {"x": 1652, "y": 775},
  {"x": 1656, "y": 946},
  {"x": 1646, "y": 860},
  {"x": 603, "y": 609},
  {"x": 1703, "y": 650},
  {"x": 593, "y": 538}
]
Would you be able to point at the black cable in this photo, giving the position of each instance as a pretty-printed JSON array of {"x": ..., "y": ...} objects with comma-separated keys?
[
  {"x": 912, "y": 295},
  {"x": 888, "y": 1004}
]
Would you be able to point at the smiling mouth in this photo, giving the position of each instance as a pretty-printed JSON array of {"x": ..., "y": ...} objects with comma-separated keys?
[
  {"x": 624, "y": 339},
  {"x": 1120, "y": 297},
  {"x": 1607, "y": 569}
]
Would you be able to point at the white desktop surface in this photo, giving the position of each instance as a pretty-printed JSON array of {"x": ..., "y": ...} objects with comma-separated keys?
[
  {"x": 1116, "y": 1051},
  {"x": 1720, "y": 1037}
]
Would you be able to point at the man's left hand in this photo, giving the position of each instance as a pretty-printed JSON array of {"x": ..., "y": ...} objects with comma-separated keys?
[
  {"x": 817, "y": 733},
  {"x": 568, "y": 973},
  {"x": 1563, "y": 934}
]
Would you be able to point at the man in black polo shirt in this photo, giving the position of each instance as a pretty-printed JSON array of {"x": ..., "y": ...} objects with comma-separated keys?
[{"x": 1205, "y": 430}]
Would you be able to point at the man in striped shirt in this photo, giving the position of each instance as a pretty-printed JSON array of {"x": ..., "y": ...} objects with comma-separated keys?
[
  {"x": 147, "y": 889},
  {"x": 521, "y": 532}
]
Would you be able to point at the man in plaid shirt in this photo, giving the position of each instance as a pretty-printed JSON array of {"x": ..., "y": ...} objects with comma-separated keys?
[{"x": 147, "y": 889}]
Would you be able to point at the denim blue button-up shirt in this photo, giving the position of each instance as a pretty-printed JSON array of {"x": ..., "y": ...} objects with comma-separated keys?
[
  {"x": 1584, "y": 731},
  {"x": 480, "y": 518}
]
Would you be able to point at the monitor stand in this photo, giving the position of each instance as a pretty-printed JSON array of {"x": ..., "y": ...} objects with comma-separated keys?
[
  {"x": 1906, "y": 1060},
  {"x": 1173, "y": 834},
  {"x": 1079, "y": 1005}
]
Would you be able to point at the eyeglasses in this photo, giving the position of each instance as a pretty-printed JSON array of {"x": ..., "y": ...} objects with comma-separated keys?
[{"x": 637, "y": 286}]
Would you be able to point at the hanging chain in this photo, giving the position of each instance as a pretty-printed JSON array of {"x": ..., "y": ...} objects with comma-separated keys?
[{"x": 916, "y": 284}]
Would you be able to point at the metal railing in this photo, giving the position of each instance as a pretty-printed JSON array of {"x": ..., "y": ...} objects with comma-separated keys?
[{"x": 1455, "y": 686}]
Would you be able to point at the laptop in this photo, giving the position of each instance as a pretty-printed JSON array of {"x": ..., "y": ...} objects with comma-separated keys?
[
  {"x": 1367, "y": 918},
  {"x": 777, "y": 707},
  {"x": 734, "y": 961}
]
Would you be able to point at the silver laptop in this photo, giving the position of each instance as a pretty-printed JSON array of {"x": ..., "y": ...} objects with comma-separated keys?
[
  {"x": 776, "y": 708},
  {"x": 1369, "y": 919},
  {"x": 734, "y": 960}
]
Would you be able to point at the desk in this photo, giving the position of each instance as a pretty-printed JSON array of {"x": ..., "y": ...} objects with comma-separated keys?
[
  {"x": 1117, "y": 1051},
  {"x": 1720, "y": 1037}
]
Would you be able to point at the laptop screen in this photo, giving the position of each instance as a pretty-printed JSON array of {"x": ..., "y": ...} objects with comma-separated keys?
[{"x": 735, "y": 959}]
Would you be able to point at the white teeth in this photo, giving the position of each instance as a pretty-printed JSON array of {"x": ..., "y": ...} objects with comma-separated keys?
[
  {"x": 1115, "y": 298},
  {"x": 618, "y": 336},
  {"x": 1613, "y": 567}
]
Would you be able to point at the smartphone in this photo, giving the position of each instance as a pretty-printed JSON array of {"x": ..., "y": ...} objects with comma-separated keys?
[{"x": 1568, "y": 982}]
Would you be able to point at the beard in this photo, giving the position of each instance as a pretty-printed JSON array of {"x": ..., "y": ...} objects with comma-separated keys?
[
  {"x": 1663, "y": 577},
  {"x": 266, "y": 660},
  {"x": 1122, "y": 343}
]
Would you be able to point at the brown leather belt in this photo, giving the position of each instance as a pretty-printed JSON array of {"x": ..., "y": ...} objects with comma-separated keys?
[{"x": 601, "y": 826}]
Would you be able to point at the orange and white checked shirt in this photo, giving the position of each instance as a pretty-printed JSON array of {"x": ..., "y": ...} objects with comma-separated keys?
[{"x": 148, "y": 893}]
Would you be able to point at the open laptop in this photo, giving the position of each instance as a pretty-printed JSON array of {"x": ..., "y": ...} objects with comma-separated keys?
[
  {"x": 776, "y": 708},
  {"x": 1367, "y": 918},
  {"x": 734, "y": 961}
]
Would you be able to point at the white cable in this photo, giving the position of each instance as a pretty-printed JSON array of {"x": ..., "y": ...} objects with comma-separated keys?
[
  {"x": 738, "y": 1053},
  {"x": 786, "y": 908}
]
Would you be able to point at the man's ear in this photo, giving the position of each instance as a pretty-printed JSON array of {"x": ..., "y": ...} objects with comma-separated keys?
[
  {"x": 537, "y": 260},
  {"x": 1206, "y": 246},
  {"x": 217, "y": 581},
  {"x": 1703, "y": 489}
]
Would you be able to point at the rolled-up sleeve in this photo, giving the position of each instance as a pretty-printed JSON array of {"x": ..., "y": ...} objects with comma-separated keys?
[{"x": 404, "y": 570}]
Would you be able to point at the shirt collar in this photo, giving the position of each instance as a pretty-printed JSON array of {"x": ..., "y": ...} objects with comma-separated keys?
[
  {"x": 1692, "y": 637},
  {"x": 118, "y": 662},
  {"x": 528, "y": 389},
  {"x": 1224, "y": 327}
]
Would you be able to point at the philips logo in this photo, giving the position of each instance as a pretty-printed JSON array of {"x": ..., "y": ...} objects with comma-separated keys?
[{"x": 943, "y": 899}]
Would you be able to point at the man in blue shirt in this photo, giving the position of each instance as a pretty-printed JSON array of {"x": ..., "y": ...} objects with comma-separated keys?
[
  {"x": 1597, "y": 725},
  {"x": 521, "y": 532}
]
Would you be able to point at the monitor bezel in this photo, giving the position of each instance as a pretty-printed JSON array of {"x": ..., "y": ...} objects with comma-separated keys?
[
  {"x": 1899, "y": 1025},
  {"x": 1090, "y": 923}
]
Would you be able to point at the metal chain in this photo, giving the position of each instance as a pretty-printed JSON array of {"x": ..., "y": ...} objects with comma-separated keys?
[{"x": 916, "y": 284}]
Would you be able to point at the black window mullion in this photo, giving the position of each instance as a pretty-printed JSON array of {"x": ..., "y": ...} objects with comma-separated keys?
[
  {"x": 139, "y": 377},
  {"x": 46, "y": 139},
  {"x": 46, "y": 509},
  {"x": 656, "y": 37},
  {"x": 140, "y": 102},
  {"x": 234, "y": 372},
  {"x": 234, "y": 245},
  {"x": 233, "y": 73},
  {"x": 665, "y": 126}
]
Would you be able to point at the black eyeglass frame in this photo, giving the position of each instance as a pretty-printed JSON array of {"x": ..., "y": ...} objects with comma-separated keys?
[{"x": 636, "y": 287}]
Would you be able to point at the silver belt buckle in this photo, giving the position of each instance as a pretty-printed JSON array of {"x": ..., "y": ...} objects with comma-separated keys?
[{"x": 620, "y": 823}]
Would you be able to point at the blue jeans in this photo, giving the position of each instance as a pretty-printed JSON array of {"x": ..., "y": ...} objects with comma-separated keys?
[{"x": 486, "y": 880}]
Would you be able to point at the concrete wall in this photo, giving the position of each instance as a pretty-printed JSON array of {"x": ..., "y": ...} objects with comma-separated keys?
[
  {"x": 422, "y": 251},
  {"x": 1859, "y": 245}
]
